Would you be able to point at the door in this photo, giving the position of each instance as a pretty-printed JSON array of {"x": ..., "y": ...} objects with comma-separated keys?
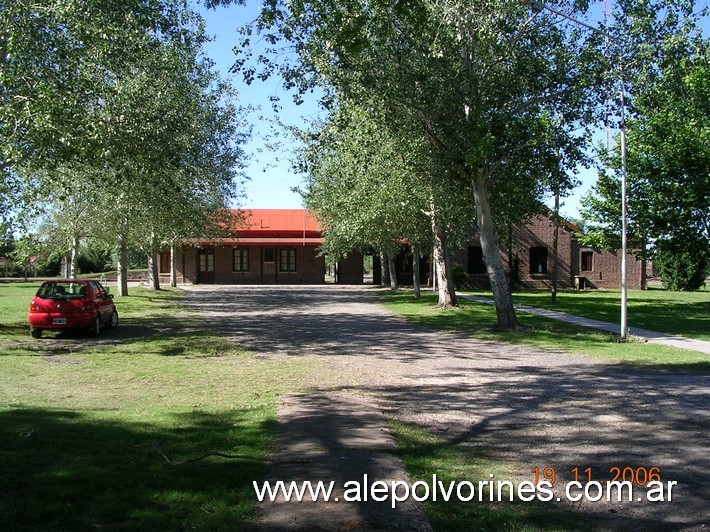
[
  {"x": 105, "y": 303},
  {"x": 268, "y": 265},
  {"x": 205, "y": 266}
]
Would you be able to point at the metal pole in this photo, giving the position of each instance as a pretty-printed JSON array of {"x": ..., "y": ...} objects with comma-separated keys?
[
  {"x": 538, "y": 7},
  {"x": 622, "y": 135}
]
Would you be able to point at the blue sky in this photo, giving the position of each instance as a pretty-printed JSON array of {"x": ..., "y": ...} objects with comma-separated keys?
[{"x": 269, "y": 170}]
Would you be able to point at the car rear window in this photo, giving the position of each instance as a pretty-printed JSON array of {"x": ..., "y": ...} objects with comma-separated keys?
[{"x": 62, "y": 290}]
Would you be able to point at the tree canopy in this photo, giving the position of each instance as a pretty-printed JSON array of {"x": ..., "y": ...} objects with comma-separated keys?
[
  {"x": 117, "y": 105},
  {"x": 668, "y": 137},
  {"x": 479, "y": 82}
]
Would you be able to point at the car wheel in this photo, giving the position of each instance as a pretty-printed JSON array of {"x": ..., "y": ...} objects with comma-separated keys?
[
  {"x": 113, "y": 322},
  {"x": 36, "y": 333},
  {"x": 96, "y": 329}
]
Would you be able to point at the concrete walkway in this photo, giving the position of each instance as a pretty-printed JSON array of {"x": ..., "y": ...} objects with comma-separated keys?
[
  {"x": 337, "y": 438},
  {"x": 644, "y": 334}
]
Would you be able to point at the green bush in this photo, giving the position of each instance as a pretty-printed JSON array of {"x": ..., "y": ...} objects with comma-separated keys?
[
  {"x": 460, "y": 276},
  {"x": 682, "y": 263}
]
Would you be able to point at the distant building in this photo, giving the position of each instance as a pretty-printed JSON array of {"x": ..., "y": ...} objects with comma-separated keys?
[
  {"x": 528, "y": 254},
  {"x": 276, "y": 246},
  {"x": 280, "y": 246}
]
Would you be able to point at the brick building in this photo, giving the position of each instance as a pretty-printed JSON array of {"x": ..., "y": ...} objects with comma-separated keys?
[
  {"x": 275, "y": 246},
  {"x": 280, "y": 246},
  {"x": 527, "y": 255}
]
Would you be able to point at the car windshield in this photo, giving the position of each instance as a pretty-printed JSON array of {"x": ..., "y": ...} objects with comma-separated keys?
[{"x": 62, "y": 290}]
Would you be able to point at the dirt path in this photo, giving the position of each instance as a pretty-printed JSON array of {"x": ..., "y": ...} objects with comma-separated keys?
[{"x": 527, "y": 407}]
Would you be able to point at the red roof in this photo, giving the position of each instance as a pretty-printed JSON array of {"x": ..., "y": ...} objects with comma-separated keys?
[
  {"x": 271, "y": 227},
  {"x": 279, "y": 222},
  {"x": 255, "y": 241}
]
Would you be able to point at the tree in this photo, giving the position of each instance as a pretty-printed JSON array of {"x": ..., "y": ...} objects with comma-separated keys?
[
  {"x": 374, "y": 185},
  {"x": 57, "y": 60},
  {"x": 154, "y": 136},
  {"x": 683, "y": 263},
  {"x": 188, "y": 130},
  {"x": 670, "y": 150},
  {"x": 474, "y": 77},
  {"x": 668, "y": 137}
]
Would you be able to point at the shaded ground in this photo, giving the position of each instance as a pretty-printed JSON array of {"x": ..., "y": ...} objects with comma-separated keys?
[
  {"x": 336, "y": 437},
  {"x": 527, "y": 407}
]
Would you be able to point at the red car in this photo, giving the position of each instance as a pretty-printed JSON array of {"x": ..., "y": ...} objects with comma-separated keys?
[{"x": 71, "y": 304}]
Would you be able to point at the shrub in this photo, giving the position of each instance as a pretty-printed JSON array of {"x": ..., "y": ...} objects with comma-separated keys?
[
  {"x": 682, "y": 263},
  {"x": 460, "y": 276}
]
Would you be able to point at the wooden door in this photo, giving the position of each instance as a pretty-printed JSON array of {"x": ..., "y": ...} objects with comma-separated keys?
[
  {"x": 268, "y": 265},
  {"x": 205, "y": 266}
]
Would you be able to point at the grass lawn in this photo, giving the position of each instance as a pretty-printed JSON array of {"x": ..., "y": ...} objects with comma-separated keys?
[
  {"x": 162, "y": 424},
  {"x": 126, "y": 431},
  {"x": 479, "y": 320},
  {"x": 680, "y": 313}
]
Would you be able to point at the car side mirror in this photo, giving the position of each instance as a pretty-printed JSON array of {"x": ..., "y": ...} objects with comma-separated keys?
[{"x": 110, "y": 296}]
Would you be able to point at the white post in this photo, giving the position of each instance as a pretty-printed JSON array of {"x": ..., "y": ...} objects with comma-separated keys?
[
  {"x": 622, "y": 135},
  {"x": 537, "y": 8}
]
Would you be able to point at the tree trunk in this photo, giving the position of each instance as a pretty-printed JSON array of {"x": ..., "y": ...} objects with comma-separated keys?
[
  {"x": 555, "y": 240},
  {"x": 153, "y": 274},
  {"x": 385, "y": 266},
  {"x": 511, "y": 259},
  {"x": 66, "y": 269},
  {"x": 173, "y": 273},
  {"x": 73, "y": 269},
  {"x": 393, "y": 274},
  {"x": 122, "y": 269},
  {"x": 416, "y": 273},
  {"x": 491, "y": 255},
  {"x": 442, "y": 261}
]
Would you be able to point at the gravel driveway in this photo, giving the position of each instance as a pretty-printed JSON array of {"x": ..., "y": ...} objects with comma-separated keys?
[{"x": 527, "y": 407}]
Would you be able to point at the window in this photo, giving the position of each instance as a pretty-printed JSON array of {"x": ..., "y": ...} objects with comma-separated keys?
[
  {"x": 268, "y": 254},
  {"x": 68, "y": 290},
  {"x": 98, "y": 289},
  {"x": 207, "y": 261},
  {"x": 538, "y": 260},
  {"x": 240, "y": 260},
  {"x": 164, "y": 263},
  {"x": 587, "y": 261},
  {"x": 287, "y": 261},
  {"x": 475, "y": 260}
]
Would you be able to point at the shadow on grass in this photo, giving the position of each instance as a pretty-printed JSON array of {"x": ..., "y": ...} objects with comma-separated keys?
[
  {"x": 673, "y": 313},
  {"x": 65, "y": 470},
  {"x": 478, "y": 320},
  {"x": 670, "y": 368},
  {"x": 174, "y": 336},
  {"x": 426, "y": 455}
]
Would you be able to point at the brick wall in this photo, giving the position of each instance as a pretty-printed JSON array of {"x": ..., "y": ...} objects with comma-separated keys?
[
  {"x": 539, "y": 233},
  {"x": 350, "y": 269},
  {"x": 186, "y": 265},
  {"x": 310, "y": 268},
  {"x": 605, "y": 269},
  {"x": 536, "y": 234}
]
